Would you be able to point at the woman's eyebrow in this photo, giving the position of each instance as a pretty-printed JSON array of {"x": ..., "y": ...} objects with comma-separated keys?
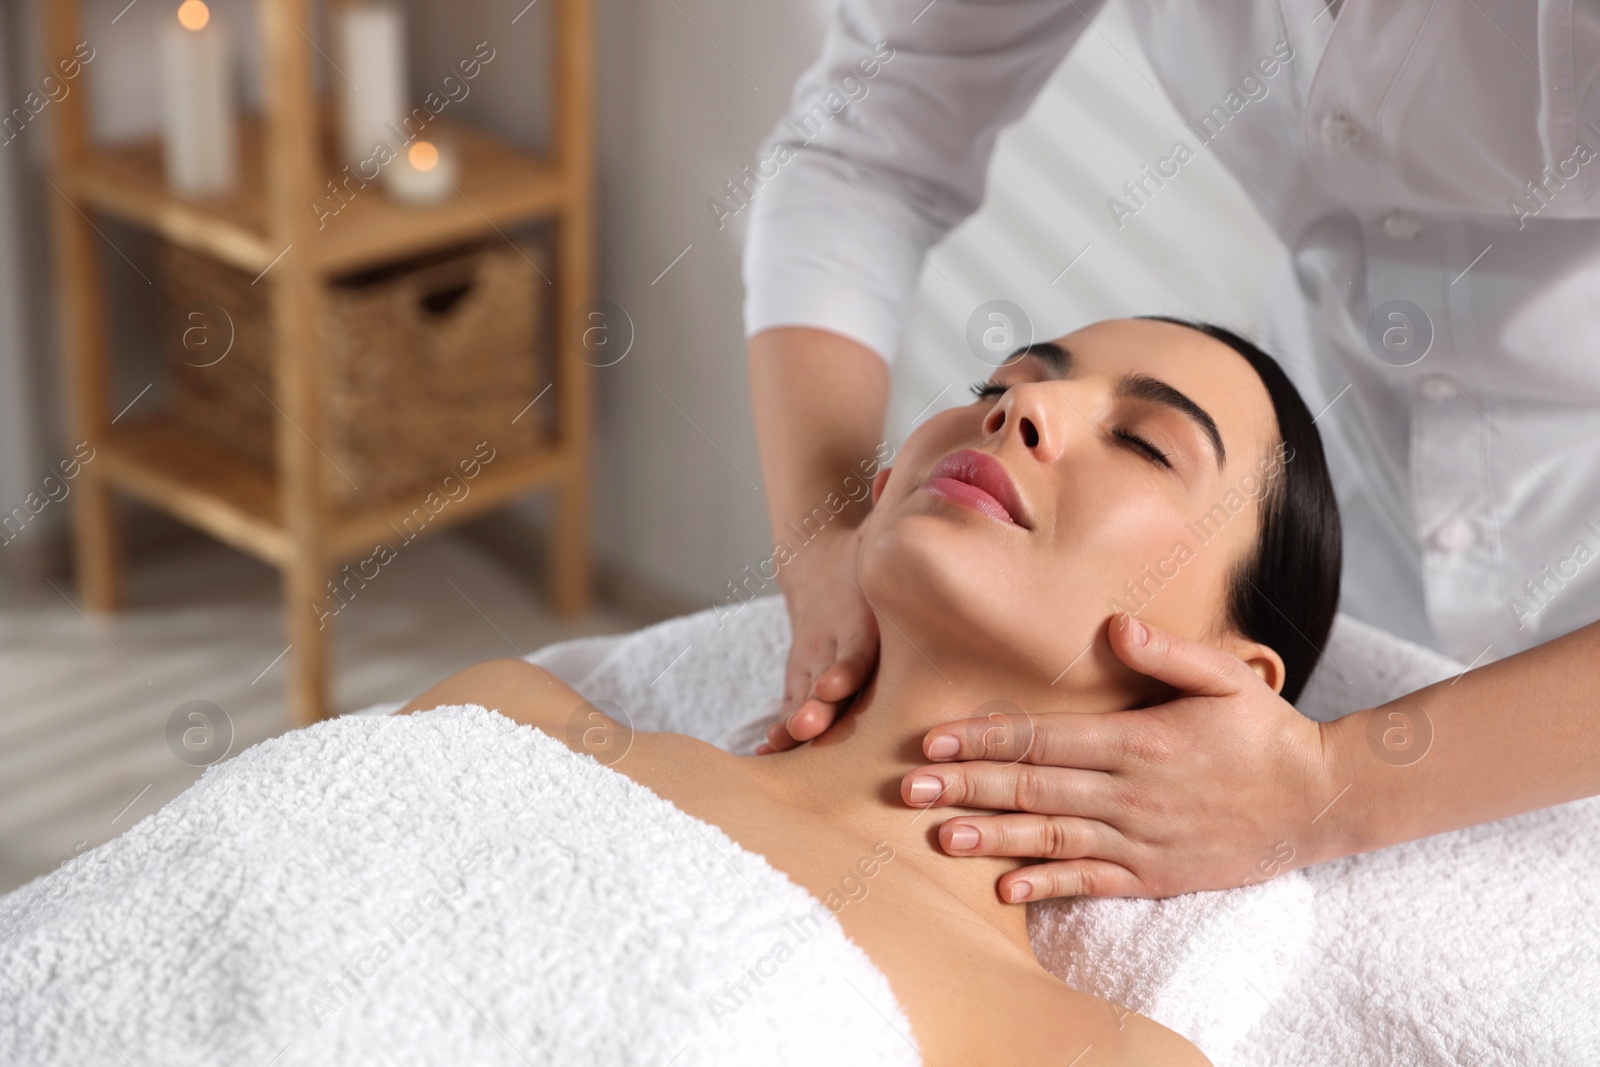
[
  {"x": 1143, "y": 387},
  {"x": 1057, "y": 359}
]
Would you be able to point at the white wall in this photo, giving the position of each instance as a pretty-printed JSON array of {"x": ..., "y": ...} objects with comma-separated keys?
[
  {"x": 679, "y": 497},
  {"x": 18, "y": 440},
  {"x": 687, "y": 89}
]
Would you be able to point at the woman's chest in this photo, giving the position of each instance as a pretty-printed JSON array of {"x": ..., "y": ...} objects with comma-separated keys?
[{"x": 963, "y": 987}]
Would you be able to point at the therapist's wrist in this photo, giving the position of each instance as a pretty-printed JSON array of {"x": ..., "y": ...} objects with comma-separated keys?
[
  {"x": 1358, "y": 815},
  {"x": 1307, "y": 778},
  {"x": 817, "y": 552},
  {"x": 1328, "y": 835}
]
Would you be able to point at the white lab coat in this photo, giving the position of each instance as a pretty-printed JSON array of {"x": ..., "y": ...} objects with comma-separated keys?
[{"x": 1445, "y": 153}]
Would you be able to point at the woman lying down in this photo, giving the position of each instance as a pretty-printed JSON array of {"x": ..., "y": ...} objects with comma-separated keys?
[
  {"x": 284, "y": 910},
  {"x": 990, "y": 556}
]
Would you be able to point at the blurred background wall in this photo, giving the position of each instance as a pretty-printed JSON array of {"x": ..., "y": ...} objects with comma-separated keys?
[{"x": 687, "y": 89}]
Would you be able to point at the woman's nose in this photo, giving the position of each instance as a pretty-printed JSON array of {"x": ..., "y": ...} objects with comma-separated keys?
[{"x": 1029, "y": 413}]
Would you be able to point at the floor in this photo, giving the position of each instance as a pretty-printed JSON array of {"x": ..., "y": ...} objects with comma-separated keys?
[{"x": 88, "y": 703}]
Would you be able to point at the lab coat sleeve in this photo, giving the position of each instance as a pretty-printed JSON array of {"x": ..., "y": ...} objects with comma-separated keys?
[{"x": 885, "y": 148}]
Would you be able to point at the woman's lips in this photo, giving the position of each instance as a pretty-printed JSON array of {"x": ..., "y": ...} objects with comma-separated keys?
[{"x": 978, "y": 480}]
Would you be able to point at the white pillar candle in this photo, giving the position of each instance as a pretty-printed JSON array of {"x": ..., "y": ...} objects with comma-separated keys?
[
  {"x": 424, "y": 173},
  {"x": 372, "y": 86},
  {"x": 197, "y": 103}
]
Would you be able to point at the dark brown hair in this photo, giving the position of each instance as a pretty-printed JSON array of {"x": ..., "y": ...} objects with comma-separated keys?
[{"x": 1285, "y": 593}]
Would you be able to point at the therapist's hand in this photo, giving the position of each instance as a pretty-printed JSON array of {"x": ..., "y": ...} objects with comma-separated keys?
[
  {"x": 834, "y": 642},
  {"x": 1220, "y": 787}
]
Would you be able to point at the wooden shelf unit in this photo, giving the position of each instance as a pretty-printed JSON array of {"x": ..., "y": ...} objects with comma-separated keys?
[
  {"x": 501, "y": 186},
  {"x": 268, "y": 228},
  {"x": 170, "y": 467}
]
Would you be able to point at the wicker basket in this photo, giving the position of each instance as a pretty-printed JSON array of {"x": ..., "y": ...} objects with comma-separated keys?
[{"x": 421, "y": 362}]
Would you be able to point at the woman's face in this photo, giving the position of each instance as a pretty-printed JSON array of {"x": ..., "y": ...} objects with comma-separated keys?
[{"x": 1136, "y": 454}]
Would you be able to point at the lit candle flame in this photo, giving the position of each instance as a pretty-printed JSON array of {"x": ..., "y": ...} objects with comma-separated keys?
[
  {"x": 422, "y": 155},
  {"x": 193, "y": 14}
]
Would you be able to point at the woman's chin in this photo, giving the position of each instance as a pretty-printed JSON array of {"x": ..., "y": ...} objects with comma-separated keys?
[
  {"x": 940, "y": 575},
  {"x": 933, "y": 527},
  {"x": 957, "y": 597}
]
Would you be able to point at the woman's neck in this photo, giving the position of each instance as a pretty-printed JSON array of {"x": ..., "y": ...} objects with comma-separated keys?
[{"x": 853, "y": 771}]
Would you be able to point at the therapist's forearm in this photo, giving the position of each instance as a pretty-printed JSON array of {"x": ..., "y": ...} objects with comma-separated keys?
[
  {"x": 819, "y": 402},
  {"x": 1510, "y": 737}
]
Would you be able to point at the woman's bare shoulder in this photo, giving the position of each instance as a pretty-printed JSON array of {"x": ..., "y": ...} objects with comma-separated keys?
[
  {"x": 527, "y": 693},
  {"x": 1100, "y": 1034},
  {"x": 517, "y": 689},
  {"x": 1148, "y": 1042}
]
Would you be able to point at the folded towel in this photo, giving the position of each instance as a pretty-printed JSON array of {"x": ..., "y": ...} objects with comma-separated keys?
[
  {"x": 1472, "y": 948},
  {"x": 1207, "y": 965},
  {"x": 446, "y": 887}
]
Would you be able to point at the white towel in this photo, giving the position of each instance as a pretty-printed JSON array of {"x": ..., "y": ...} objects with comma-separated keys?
[
  {"x": 1476, "y": 948},
  {"x": 1207, "y": 965},
  {"x": 440, "y": 888}
]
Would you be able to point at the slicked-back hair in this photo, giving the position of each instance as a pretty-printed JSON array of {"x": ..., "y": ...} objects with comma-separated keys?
[{"x": 1285, "y": 592}]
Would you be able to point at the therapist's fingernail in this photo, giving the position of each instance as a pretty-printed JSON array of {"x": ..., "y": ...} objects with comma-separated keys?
[
  {"x": 1138, "y": 633},
  {"x": 1020, "y": 891},
  {"x": 925, "y": 789},
  {"x": 963, "y": 837},
  {"x": 943, "y": 747}
]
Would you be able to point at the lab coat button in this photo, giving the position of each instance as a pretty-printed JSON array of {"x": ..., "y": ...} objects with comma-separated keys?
[
  {"x": 1453, "y": 536},
  {"x": 1339, "y": 131},
  {"x": 1438, "y": 387},
  {"x": 1401, "y": 225}
]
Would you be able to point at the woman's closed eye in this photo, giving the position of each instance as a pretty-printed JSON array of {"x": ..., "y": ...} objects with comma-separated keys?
[
  {"x": 1139, "y": 444},
  {"x": 987, "y": 390}
]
